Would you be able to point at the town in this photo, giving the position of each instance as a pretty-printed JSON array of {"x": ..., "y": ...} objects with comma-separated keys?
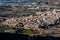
[{"x": 42, "y": 18}]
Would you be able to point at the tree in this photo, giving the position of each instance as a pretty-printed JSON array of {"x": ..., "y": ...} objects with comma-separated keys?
[{"x": 20, "y": 25}]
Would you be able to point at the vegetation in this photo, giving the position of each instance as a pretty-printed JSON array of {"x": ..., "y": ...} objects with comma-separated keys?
[
  {"x": 20, "y": 25},
  {"x": 29, "y": 31},
  {"x": 12, "y": 31},
  {"x": 5, "y": 27},
  {"x": 43, "y": 10},
  {"x": 2, "y": 28},
  {"x": 9, "y": 15},
  {"x": 2, "y": 20},
  {"x": 3, "y": 6}
]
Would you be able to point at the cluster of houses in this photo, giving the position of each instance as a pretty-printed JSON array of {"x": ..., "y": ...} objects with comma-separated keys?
[{"x": 41, "y": 18}]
